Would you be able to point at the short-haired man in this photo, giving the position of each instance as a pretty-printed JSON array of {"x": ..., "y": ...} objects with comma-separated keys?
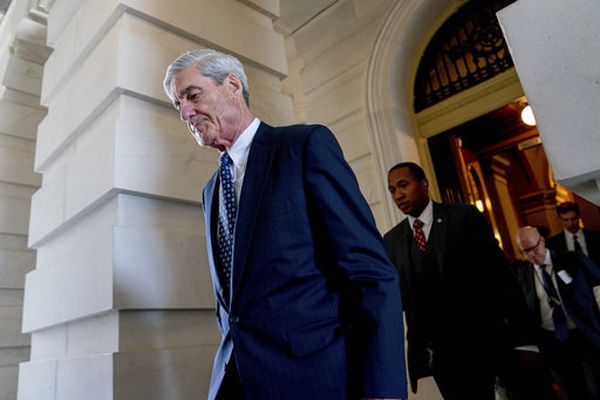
[
  {"x": 307, "y": 301},
  {"x": 456, "y": 285},
  {"x": 560, "y": 298},
  {"x": 573, "y": 238}
]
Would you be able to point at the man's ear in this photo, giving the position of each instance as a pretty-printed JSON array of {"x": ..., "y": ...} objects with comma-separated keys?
[{"x": 234, "y": 85}]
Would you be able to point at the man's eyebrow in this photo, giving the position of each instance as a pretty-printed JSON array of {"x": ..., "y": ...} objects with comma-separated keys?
[{"x": 186, "y": 90}]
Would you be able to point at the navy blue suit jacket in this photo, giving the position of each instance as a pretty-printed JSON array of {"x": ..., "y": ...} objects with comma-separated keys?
[{"x": 316, "y": 310}]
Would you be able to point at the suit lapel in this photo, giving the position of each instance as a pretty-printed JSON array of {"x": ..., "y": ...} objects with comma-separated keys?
[
  {"x": 438, "y": 234},
  {"x": 258, "y": 166},
  {"x": 209, "y": 196}
]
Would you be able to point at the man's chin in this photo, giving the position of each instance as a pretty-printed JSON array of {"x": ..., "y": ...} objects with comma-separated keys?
[
  {"x": 537, "y": 261},
  {"x": 405, "y": 210},
  {"x": 200, "y": 139}
]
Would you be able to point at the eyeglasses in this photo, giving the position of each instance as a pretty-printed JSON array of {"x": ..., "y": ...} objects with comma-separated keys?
[{"x": 532, "y": 248}]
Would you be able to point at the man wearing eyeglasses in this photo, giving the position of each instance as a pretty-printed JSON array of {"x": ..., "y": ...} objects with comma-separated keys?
[
  {"x": 573, "y": 237},
  {"x": 558, "y": 290}
]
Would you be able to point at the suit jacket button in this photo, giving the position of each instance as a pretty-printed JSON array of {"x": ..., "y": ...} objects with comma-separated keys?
[{"x": 234, "y": 320}]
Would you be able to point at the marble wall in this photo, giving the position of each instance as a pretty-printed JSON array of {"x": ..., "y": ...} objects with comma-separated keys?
[{"x": 22, "y": 54}]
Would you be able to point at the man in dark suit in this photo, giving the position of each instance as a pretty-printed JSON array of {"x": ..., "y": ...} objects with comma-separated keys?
[
  {"x": 456, "y": 285},
  {"x": 307, "y": 301},
  {"x": 573, "y": 238},
  {"x": 559, "y": 291}
]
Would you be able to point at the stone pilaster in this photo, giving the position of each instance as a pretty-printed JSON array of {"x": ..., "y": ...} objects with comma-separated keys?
[
  {"x": 22, "y": 54},
  {"x": 120, "y": 304}
]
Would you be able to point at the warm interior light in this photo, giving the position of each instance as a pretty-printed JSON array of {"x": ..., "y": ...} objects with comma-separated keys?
[
  {"x": 479, "y": 205},
  {"x": 499, "y": 239},
  {"x": 527, "y": 116}
]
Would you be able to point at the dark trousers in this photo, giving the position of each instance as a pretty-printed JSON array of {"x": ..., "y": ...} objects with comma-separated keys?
[
  {"x": 464, "y": 374},
  {"x": 231, "y": 387},
  {"x": 574, "y": 363}
]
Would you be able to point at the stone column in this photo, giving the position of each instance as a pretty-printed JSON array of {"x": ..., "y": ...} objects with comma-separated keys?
[
  {"x": 22, "y": 54},
  {"x": 120, "y": 304},
  {"x": 554, "y": 45}
]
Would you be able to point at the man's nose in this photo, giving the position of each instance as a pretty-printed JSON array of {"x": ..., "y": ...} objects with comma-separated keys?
[{"x": 185, "y": 110}]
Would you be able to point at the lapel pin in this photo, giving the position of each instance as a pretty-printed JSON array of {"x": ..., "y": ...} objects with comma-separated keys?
[{"x": 439, "y": 220}]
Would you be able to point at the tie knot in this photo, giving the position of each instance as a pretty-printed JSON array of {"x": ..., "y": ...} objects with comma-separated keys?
[
  {"x": 543, "y": 267},
  {"x": 225, "y": 160},
  {"x": 418, "y": 224}
]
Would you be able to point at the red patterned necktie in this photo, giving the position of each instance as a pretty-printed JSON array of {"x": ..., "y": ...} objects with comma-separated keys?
[{"x": 420, "y": 235}]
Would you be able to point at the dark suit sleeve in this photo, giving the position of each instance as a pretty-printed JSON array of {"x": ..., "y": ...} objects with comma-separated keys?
[{"x": 357, "y": 253}]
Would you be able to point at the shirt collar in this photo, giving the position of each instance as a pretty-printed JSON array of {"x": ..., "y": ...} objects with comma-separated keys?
[
  {"x": 426, "y": 215},
  {"x": 547, "y": 262},
  {"x": 569, "y": 234},
  {"x": 241, "y": 147}
]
